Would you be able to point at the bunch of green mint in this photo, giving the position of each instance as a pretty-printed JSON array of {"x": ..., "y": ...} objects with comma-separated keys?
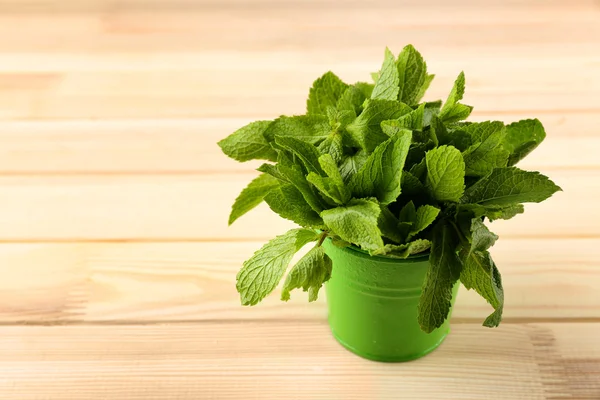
[{"x": 370, "y": 165}]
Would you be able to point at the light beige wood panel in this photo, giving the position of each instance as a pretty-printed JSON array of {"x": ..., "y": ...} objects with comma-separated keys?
[
  {"x": 204, "y": 60},
  {"x": 58, "y": 5},
  {"x": 196, "y": 207},
  {"x": 512, "y": 65},
  {"x": 238, "y": 93},
  {"x": 135, "y": 146},
  {"x": 298, "y": 360},
  {"x": 152, "y": 282},
  {"x": 190, "y": 145},
  {"x": 207, "y": 25}
]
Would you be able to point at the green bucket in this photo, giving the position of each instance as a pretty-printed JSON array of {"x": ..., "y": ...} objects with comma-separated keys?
[{"x": 373, "y": 302}]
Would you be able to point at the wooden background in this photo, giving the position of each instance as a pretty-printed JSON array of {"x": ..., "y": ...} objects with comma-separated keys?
[{"x": 117, "y": 267}]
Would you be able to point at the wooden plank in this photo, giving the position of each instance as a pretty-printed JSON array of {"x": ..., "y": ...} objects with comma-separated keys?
[
  {"x": 189, "y": 146},
  {"x": 516, "y": 66},
  {"x": 159, "y": 146},
  {"x": 96, "y": 64},
  {"x": 196, "y": 207},
  {"x": 239, "y": 93},
  {"x": 145, "y": 282},
  {"x": 165, "y": 5},
  {"x": 227, "y": 21},
  {"x": 298, "y": 360}
]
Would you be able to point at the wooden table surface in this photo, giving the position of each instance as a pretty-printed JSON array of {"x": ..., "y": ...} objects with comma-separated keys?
[{"x": 117, "y": 265}]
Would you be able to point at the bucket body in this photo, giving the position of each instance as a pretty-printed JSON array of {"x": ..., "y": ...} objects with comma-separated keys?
[{"x": 372, "y": 303}]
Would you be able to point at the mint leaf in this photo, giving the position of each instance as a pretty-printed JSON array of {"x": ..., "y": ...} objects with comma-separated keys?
[
  {"x": 521, "y": 138},
  {"x": 452, "y": 126},
  {"x": 262, "y": 272},
  {"x": 386, "y": 87},
  {"x": 335, "y": 177},
  {"x": 332, "y": 187},
  {"x": 458, "y": 112},
  {"x": 419, "y": 170},
  {"x": 411, "y": 186},
  {"x": 252, "y": 195},
  {"x": 275, "y": 171},
  {"x": 404, "y": 250},
  {"x": 333, "y": 146},
  {"x": 407, "y": 217},
  {"x": 356, "y": 223},
  {"x": 294, "y": 176},
  {"x": 508, "y": 186},
  {"x": 381, "y": 175},
  {"x": 487, "y": 153},
  {"x": 412, "y": 72},
  {"x": 424, "y": 138},
  {"x": 431, "y": 109},
  {"x": 444, "y": 270},
  {"x": 424, "y": 217},
  {"x": 352, "y": 164},
  {"x": 329, "y": 165},
  {"x": 288, "y": 202},
  {"x": 506, "y": 212},
  {"x": 328, "y": 190},
  {"x": 479, "y": 272},
  {"x": 339, "y": 119},
  {"x": 308, "y": 128},
  {"x": 479, "y": 160},
  {"x": 324, "y": 93},
  {"x": 415, "y": 160},
  {"x": 408, "y": 213},
  {"x": 391, "y": 127},
  {"x": 445, "y": 173},
  {"x": 426, "y": 84},
  {"x": 481, "y": 237},
  {"x": 452, "y": 110},
  {"x": 285, "y": 158},
  {"x": 462, "y": 221},
  {"x": 439, "y": 132},
  {"x": 412, "y": 121},
  {"x": 304, "y": 151},
  {"x": 459, "y": 139},
  {"x": 353, "y": 99},
  {"x": 337, "y": 242},
  {"x": 309, "y": 273},
  {"x": 494, "y": 319},
  {"x": 457, "y": 92},
  {"x": 494, "y": 212},
  {"x": 365, "y": 131},
  {"x": 248, "y": 143},
  {"x": 366, "y": 88},
  {"x": 388, "y": 225}
]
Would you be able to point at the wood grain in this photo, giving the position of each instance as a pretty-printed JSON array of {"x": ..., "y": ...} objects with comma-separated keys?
[
  {"x": 217, "y": 361},
  {"x": 154, "y": 282},
  {"x": 185, "y": 62}
]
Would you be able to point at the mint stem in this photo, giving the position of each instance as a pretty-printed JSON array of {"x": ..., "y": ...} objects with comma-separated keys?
[
  {"x": 461, "y": 237},
  {"x": 322, "y": 239}
]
